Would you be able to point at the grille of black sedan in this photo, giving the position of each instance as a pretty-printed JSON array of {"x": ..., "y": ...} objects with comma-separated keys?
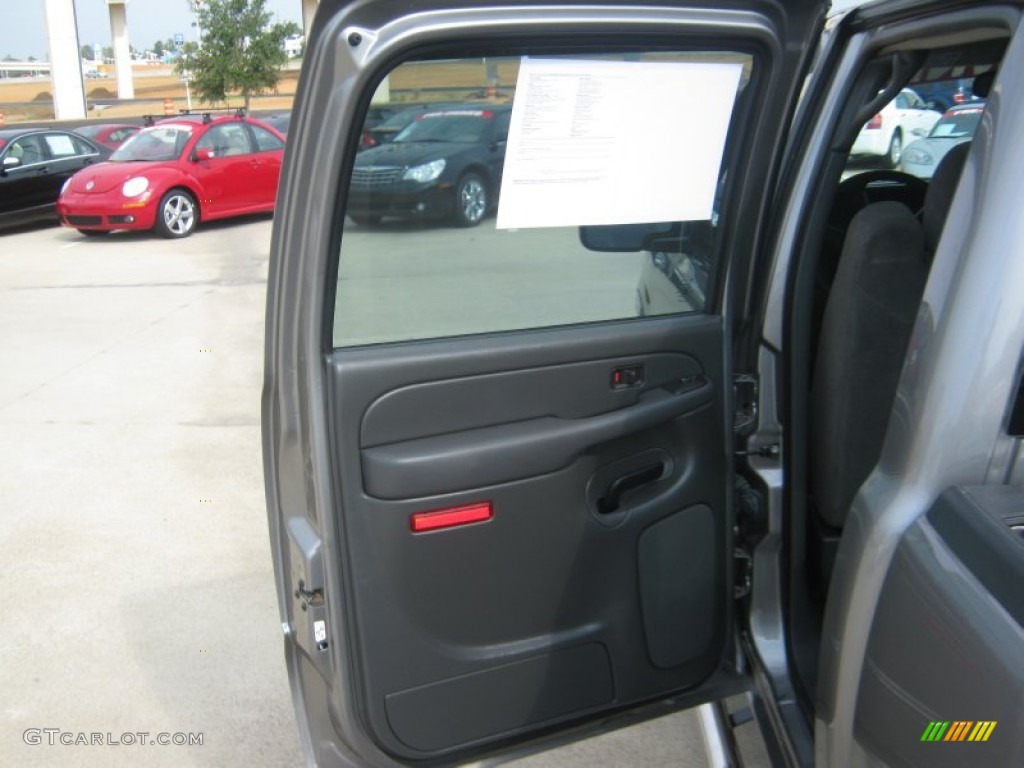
[{"x": 375, "y": 177}]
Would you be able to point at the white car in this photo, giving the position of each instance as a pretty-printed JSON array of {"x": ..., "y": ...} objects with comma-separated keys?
[{"x": 899, "y": 122}]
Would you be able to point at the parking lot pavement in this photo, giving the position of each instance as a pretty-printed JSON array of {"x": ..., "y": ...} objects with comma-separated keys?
[
  {"x": 138, "y": 593},
  {"x": 137, "y": 581}
]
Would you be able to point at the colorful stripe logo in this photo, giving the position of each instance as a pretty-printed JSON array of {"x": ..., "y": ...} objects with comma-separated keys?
[{"x": 958, "y": 730}]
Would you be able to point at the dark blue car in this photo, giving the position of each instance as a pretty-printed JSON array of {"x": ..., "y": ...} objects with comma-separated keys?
[{"x": 446, "y": 164}]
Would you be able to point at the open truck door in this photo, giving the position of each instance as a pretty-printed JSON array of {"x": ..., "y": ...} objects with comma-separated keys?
[
  {"x": 500, "y": 483},
  {"x": 528, "y": 365}
]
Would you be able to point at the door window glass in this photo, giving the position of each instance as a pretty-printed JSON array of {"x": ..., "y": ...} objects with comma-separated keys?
[
  {"x": 595, "y": 197},
  {"x": 61, "y": 145},
  {"x": 83, "y": 147},
  {"x": 160, "y": 142},
  {"x": 28, "y": 149},
  {"x": 226, "y": 140}
]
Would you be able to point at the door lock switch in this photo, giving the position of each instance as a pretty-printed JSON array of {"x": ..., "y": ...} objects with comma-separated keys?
[{"x": 627, "y": 377}]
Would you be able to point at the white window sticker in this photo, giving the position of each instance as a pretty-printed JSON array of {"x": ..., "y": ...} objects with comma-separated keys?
[
  {"x": 60, "y": 146},
  {"x": 612, "y": 142}
]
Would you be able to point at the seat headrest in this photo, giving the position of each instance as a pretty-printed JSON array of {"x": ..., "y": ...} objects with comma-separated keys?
[
  {"x": 940, "y": 194},
  {"x": 983, "y": 84}
]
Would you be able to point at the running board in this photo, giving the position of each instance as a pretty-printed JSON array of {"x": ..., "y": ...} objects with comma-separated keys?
[{"x": 716, "y": 729}]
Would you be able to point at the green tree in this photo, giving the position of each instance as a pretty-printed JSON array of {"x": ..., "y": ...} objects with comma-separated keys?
[
  {"x": 87, "y": 52},
  {"x": 158, "y": 48},
  {"x": 241, "y": 49}
]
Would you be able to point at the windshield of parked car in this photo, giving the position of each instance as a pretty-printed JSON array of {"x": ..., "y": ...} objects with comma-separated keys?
[
  {"x": 957, "y": 125},
  {"x": 161, "y": 142},
  {"x": 89, "y": 131},
  {"x": 459, "y": 127},
  {"x": 400, "y": 120}
]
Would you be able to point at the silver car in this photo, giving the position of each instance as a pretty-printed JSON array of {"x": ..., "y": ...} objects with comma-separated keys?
[
  {"x": 511, "y": 505},
  {"x": 956, "y": 126}
]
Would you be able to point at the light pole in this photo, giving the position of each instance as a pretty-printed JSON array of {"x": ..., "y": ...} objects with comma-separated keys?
[
  {"x": 186, "y": 78},
  {"x": 197, "y": 5}
]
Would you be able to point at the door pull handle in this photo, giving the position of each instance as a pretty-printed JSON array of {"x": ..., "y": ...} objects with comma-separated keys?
[{"x": 610, "y": 501}]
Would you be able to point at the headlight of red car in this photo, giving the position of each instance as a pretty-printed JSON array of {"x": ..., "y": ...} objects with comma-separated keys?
[{"x": 135, "y": 186}]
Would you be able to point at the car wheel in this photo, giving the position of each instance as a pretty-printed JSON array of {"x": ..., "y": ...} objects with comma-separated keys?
[
  {"x": 365, "y": 221},
  {"x": 94, "y": 232},
  {"x": 471, "y": 200},
  {"x": 895, "y": 150},
  {"x": 178, "y": 214}
]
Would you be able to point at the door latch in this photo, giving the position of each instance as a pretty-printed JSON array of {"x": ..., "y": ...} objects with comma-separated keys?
[
  {"x": 309, "y": 624},
  {"x": 310, "y": 598}
]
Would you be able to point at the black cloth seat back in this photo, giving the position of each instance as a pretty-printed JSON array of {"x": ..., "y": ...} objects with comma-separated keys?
[{"x": 869, "y": 316}]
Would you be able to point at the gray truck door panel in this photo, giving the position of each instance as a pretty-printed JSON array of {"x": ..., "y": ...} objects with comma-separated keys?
[
  {"x": 531, "y": 615},
  {"x": 954, "y": 588}
]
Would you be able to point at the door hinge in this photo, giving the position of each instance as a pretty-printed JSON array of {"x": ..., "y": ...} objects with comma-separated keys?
[
  {"x": 768, "y": 451},
  {"x": 743, "y": 572},
  {"x": 751, "y": 517},
  {"x": 745, "y": 394}
]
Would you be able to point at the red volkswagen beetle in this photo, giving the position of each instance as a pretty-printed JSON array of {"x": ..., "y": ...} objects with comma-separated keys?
[{"x": 175, "y": 173}]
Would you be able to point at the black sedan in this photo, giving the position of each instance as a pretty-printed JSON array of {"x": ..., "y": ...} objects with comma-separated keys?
[
  {"x": 445, "y": 164},
  {"x": 34, "y": 164}
]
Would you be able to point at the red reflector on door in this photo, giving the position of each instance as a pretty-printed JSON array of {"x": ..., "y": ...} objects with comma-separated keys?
[{"x": 449, "y": 518}]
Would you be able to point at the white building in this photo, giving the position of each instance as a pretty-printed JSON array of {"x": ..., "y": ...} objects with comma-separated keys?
[{"x": 293, "y": 45}]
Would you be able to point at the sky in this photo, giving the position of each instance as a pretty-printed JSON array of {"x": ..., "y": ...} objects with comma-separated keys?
[{"x": 23, "y": 31}]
